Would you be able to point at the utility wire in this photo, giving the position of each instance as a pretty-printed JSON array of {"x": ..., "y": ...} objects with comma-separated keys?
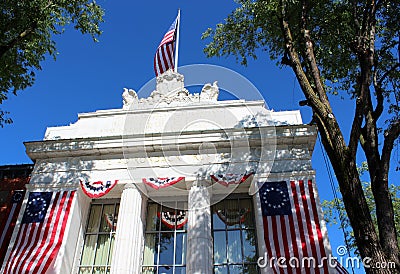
[{"x": 335, "y": 196}]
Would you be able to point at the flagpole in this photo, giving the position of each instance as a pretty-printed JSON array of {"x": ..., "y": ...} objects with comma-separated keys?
[{"x": 177, "y": 40}]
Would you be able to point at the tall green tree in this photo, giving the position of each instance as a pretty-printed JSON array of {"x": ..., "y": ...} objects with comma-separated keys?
[
  {"x": 27, "y": 29},
  {"x": 334, "y": 213},
  {"x": 336, "y": 46}
]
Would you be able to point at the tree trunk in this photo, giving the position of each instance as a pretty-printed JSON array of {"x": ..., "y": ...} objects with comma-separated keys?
[
  {"x": 367, "y": 239},
  {"x": 385, "y": 217}
]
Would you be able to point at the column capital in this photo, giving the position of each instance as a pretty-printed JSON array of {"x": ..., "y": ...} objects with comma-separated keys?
[
  {"x": 129, "y": 186},
  {"x": 199, "y": 182}
]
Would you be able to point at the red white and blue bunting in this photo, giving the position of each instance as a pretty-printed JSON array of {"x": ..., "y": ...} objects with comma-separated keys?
[
  {"x": 159, "y": 182},
  {"x": 232, "y": 216},
  {"x": 97, "y": 189},
  {"x": 230, "y": 178},
  {"x": 173, "y": 220},
  {"x": 111, "y": 221}
]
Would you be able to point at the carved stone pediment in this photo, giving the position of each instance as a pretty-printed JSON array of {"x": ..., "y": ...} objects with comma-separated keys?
[
  {"x": 170, "y": 91},
  {"x": 170, "y": 83}
]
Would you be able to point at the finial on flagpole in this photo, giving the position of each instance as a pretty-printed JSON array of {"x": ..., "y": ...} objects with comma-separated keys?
[{"x": 177, "y": 40}]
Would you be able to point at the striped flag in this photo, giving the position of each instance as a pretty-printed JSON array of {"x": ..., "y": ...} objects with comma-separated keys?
[
  {"x": 7, "y": 224},
  {"x": 164, "y": 58},
  {"x": 41, "y": 232},
  {"x": 292, "y": 229}
]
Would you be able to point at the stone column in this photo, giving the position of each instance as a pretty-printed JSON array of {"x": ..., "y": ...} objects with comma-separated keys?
[
  {"x": 128, "y": 251},
  {"x": 199, "y": 244}
]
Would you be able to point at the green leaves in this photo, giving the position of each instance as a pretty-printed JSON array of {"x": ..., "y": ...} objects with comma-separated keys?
[
  {"x": 336, "y": 47},
  {"x": 27, "y": 29},
  {"x": 334, "y": 211},
  {"x": 244, "y": 31}
]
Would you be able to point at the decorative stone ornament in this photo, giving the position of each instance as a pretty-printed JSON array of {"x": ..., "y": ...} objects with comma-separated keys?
[{"x": 170, "y": 91}]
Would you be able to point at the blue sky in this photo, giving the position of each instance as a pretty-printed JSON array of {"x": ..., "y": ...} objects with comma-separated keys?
[{"x": 89, "y": 76}]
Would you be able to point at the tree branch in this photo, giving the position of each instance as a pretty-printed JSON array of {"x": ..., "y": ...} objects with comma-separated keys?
[
  {"x": 379, "y": 91},
  {"x": 365, "y": 54},
  {"x": 311, "y": 56},
  {"x": 356, "y": 126},
  {"x": 391, "y": 134},
  {"x": 297, "y": 68},
  {"x": 386, "y": 74},
  {"x": 23, "y": 35}
]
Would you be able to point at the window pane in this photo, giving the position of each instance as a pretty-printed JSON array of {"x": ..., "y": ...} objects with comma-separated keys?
[
  {"x": 152, "y": 218},
  {"x": 181, "y": 219},
  {"x": 99, "y": 238},
  {"x": 102, "y": 250},
  {"x": 217, "y": 222},
  {"x": 234, "y": 247},
  {"x": 180, "y": 255},
  {"x": 228, "y": 213},
  {"x": 168, "y": 219},
  {"x": 85, "y": 270},
  {"x": 166, "y": 249},
  {"x": 246, "y": 207},
  {"x": 94, "y": 219},
  {"x": 148, "y": 270},
  {"x": 165, "y": 240},
  {"x": 99, "y": 270},
  {"x": 249, "y": 245},
  {"x": 108, "y": 220},
  {"x": 232, "y": 213},
  {"x": 234, "y": 236},
  {"x": 221, "y": 269},
  {"x": 165, "y": 270},
  {"x": 219, "y": 247},
  {"x": 88, "y": 250},
  {"x": 150, "y": 249},
  {"x": 235, "y": 269},
  {"x": 250, "y": 269},
  {"x": 111, "y": 248},
  {"x": 180, "y": 270}
]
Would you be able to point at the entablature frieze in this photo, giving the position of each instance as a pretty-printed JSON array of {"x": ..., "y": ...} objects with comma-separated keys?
[{"x": 290, "y": 137}]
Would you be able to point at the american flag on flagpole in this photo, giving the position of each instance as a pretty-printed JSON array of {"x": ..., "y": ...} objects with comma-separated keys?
[
  {"x": 164, "y": 58},
  {"x": 292, "y": 227},
  {"x": 41, "y": 232}
]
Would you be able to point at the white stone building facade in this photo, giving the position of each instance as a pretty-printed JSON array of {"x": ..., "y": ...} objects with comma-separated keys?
[{"x": 185, "y": 222}]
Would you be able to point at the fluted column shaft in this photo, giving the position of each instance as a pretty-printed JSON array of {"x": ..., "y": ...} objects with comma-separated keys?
[
  {"x": 199, "y": 256},
  {"x": 127, "y": 252}
]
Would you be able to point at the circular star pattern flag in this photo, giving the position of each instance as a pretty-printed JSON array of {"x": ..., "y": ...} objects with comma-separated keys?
[{"x": 37, "y": 206}]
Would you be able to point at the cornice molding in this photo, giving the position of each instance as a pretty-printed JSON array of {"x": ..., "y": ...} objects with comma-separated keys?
[{"x": 292, "y": 136}]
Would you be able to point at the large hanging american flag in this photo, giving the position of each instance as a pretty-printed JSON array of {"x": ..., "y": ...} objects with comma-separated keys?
[
  {"x": 292, "y": 229},
  {"x": 41, "y": 232},
  {"x": 7, "y": 224},
  {"x": 164, "y": 58}
]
